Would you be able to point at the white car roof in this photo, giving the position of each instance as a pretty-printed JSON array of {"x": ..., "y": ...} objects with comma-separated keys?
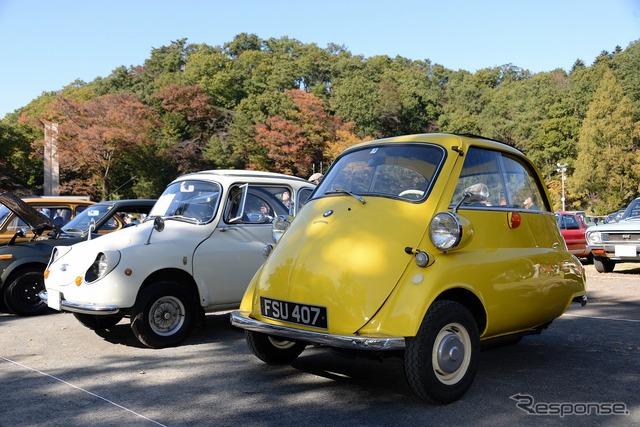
[{"x": 235, "y": 174}]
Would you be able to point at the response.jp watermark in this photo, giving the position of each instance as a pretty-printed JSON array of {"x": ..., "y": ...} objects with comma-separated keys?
[{"x": 527, "y": 403}]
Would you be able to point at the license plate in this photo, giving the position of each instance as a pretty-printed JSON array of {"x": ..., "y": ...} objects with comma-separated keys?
[
  {"x": 625, "y": 250},
  {"x": 53, "y": 299},
  {"x": 292, "y": 312}
]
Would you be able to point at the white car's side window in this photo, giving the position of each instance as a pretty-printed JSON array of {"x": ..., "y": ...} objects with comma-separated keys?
[{"x": 261, "y": 205}]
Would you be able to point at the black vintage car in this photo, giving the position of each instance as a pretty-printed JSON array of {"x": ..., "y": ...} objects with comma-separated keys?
[{"x": 22, "y": 264}]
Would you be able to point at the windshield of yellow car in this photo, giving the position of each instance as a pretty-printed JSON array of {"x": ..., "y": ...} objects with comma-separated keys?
[{"x": 403, "y": 172}]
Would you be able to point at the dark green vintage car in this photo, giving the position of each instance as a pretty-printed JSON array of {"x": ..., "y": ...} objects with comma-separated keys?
[{"x": 22, "y": 263}]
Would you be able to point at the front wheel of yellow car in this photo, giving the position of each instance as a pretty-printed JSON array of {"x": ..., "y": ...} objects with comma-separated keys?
[
  {"x": 273, "y": 350},
  {"x": 442, "y": 359}
]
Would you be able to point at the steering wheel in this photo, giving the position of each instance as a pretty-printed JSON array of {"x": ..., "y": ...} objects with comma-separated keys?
[{"x": 412, "y": 194}]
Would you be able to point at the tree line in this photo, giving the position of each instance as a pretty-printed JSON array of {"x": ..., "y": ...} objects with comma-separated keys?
[{"x": 286, "y": 106}]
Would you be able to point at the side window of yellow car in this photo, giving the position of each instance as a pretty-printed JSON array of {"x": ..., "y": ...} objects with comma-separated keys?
[
  {"x": 523, "y": 189},
  {"x": 510, "y": 182}
]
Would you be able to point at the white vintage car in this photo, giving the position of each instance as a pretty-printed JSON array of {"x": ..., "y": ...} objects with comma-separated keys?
[
  {"x": 197, "y": 250},
  {"x": 617, "y": 241}
]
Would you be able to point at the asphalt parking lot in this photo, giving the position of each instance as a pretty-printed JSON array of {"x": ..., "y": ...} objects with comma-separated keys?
[{"x": 584, "y": 370}]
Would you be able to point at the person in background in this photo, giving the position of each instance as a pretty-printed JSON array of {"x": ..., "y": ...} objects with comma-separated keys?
[
  {"x": 286, "y": 199},
  {"x": 528, "y": 203},
  {"x": 316, "y": 178}
]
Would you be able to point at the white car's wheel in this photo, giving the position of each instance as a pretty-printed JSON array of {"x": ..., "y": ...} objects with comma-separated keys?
[
  {"x": 164, "y": 315},
  {"x": 603, "y": 265}
]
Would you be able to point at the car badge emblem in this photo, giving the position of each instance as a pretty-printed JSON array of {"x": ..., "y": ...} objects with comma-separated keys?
[
  {"x": 626, "y": 236},
  {"x": 64, "y": 267},
  {"x": 328, "y": 213}
]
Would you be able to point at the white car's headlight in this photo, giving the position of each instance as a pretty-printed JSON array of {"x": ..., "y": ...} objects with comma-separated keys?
[
  {"x": 102, "y": 265},
  {"x": 594, "y": 237},
  {"x": 445, "y": 231}
]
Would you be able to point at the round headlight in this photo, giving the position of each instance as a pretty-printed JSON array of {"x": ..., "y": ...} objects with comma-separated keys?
[
  {"x": 594, "y": 238},
  {"x": 279, "y": 225},
  {"x": 445, "y": 231},
  {"x": 103, "y": 264}
]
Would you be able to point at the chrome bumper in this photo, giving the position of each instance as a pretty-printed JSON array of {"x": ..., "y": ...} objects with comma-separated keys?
[
  {"x": 355, "y": 342},
  {"x": 76, "y": 307}
]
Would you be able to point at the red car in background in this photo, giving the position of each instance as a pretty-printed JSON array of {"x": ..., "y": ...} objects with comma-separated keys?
[{"x": 573, "y": 229}]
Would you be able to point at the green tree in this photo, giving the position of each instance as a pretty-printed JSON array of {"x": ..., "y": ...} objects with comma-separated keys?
[
  {"x": 627, "y": 65},
  {"x": 607, "y": 166},
  {"x": 20, "y": 171}
]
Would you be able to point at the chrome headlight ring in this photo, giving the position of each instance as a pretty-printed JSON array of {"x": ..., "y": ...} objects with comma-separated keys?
[
  {"x": 594, "y": 237},
  {"x": 445, "y": 231}
]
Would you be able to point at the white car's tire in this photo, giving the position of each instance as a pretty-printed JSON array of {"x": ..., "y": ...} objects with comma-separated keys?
[{"x": 164, "y": 315}]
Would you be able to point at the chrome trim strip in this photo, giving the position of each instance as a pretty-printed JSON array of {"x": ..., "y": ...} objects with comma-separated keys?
[
  {"x": 77, "y": 307},
  {"x": 240, "y": 320}
]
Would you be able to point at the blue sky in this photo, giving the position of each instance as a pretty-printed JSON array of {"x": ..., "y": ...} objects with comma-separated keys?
[{"x": 47, "y": 44}]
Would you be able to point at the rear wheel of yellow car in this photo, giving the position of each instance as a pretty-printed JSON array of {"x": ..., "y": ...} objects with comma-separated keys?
[
  {"x": 164, "y": 315},
  {"x": 442, "y": 359},
  {"x": 273, "y": 350}
]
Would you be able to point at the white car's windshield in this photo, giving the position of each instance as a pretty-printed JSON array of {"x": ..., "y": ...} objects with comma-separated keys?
[
  {"x": 195, "y": 201},
  {"x": 399, "y": 171}
]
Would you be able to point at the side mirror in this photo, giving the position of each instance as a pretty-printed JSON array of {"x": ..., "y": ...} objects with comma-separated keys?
[
  {"x": 158, "y": 223},
  {"x": 91, "y": 229},
  {"x": 20, "y": 232},
  {"x": 473, "y": 194}
]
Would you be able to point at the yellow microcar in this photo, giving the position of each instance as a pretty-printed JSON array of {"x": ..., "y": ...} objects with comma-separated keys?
[{"x": 429, "y": 244}]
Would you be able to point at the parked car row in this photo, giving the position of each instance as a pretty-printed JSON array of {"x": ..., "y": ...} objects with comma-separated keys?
[
  {"x": 197, "y": 252},
  {"x": 617, "y": 240},
  {"x": 422, "y": 245},
  {"x": 58, "y": 210},
  {"x": 23, "y": 259},
  {"x": 574, "y": 229},
  {"x": 613, "y": 240}
]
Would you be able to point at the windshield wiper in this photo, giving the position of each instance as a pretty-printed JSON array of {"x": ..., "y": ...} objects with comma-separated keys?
[{"x": 341, "y": 191}]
